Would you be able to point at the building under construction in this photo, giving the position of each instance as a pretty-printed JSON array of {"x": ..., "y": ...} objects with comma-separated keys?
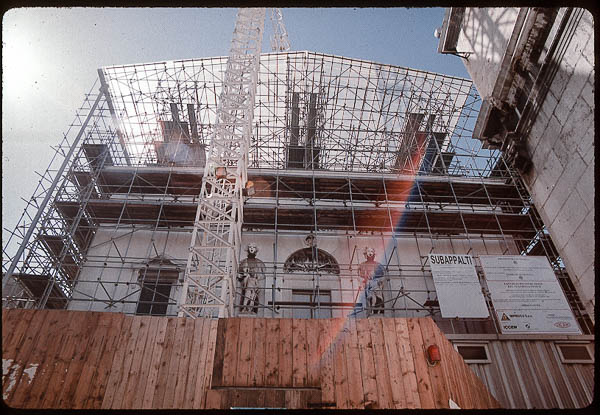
[{"x": 298, "y": 267}]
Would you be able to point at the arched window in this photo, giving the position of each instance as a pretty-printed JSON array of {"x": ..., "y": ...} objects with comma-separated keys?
[{"x": 311, "y": 259}]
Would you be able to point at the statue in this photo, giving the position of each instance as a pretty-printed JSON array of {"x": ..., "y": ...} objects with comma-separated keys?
[
  {"x": 372, "y": 273},
  {"x": 251, "y": 271}
]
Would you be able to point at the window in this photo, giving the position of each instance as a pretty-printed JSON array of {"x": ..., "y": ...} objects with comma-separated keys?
[
  {"x": 312, "y": 259},
  {"x": 154, "y": 299},
  {"x": 156, "y": 279},
  {"x": 575, "y": 352},
  {"x": 311, "y": 304},
  {"x": 473, "y": 352}
]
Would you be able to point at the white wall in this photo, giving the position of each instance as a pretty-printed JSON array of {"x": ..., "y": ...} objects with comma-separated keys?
[{"x": 405, "y": 258}]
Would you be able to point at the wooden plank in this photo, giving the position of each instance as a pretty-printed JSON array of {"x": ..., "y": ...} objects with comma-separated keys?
[
  {"x": 147, "y": 361},
  {"x": 196, "y": 365},
  {"x": 91, "y": 360},
  {"x": 77, "y": 364},
  {"x": 325, "y": 352},
  {"x": 339, "y": 366},
  {"x": 213, "y": 399},
  {"x": 13, "y": 335},
  {"x": 258, "y": 354},
  {"x": 293, "y": 398},
  {"x": 15, "y": 324},
  {"x": 399, "y": 395},
  {"x": 210, "y": 357},
  {"x": 275, "y": 398},
  {"x": 407, "y": 364},
  {"x": 155, "y": 362},
  {"x": 35, "y": 377},
  {"x": 118, "y": 361},
  {"x": 21, "y": 358},
  {"x": 165, "y": 360},
  {"x": 259, "y": 398},
  {"x": 299, "y": 370},
  {"x": 313, "y": 354},
  {"x": 171, "y": 375},
  {"x": 382, "y": 374},
  {"x": 436, "y": 373},
  {"x": 424, "y": 386},
  {"x": 355, "y": 386},
  {"x": 69, "y": 344},
  {"x": 120, "y": 387},
  {"x": 217, "y": 375},
  {"x": 313, "y": 399},
  {"x": 230, "y": 358},
  {"x": 100, "y": 379},
  {"x": 449, "y": 365},
  {"x": 243, "y": 375},
  {"x": 133, "y": 374},
  {"x": 285, "y": 353},
  {"x": 367, "y": 363},
  {"x": 184, "y": 365},
  {"x": 272, "y": 352},
  {"x": 202, "y": 367},
  {"x": 466, "y": 396}
]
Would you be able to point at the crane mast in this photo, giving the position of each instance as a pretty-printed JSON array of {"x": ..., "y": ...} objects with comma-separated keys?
[{"x": 209, "y": 284}]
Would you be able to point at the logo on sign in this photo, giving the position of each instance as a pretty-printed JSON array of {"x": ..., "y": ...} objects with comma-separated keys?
[
  {"x": 504, "y": 317},
  {"x": 562, "y": 324}
]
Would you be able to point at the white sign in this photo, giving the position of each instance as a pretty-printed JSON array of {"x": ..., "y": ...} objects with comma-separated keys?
[
  {"x": 527, "y": 296},
  {"x": 457, "y": 286}
]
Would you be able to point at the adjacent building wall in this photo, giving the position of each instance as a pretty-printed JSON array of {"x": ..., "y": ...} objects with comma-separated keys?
[{"x": 497, "y": 45}]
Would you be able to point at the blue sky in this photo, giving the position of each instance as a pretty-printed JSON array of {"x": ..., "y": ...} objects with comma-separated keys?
[{"x": 50, "y": 58}]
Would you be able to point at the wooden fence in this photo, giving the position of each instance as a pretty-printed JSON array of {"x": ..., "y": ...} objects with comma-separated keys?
[{"x": 71, "y": 359}]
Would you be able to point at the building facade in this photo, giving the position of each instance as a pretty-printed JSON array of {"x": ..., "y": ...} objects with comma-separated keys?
[{"x": 361, "y": 171}]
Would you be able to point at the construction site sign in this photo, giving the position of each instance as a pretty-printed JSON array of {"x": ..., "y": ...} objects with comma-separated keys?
[
  {"x": 527, "y": 296},
  {"x": 457, "y": 286}
]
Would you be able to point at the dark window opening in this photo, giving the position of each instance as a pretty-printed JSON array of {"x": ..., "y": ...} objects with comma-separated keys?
[
  {"x": 575, "y": 353},
  {"x": 473, "y": 353},
  {"x": 154, "y": 299},
  {"x": 311, "y": 304}
]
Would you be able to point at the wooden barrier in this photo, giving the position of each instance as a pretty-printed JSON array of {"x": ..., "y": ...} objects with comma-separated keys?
[{"x": 74, "y": 359}]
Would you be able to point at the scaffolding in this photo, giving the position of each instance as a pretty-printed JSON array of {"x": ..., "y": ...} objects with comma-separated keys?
[{"x": 341, "y": 148}]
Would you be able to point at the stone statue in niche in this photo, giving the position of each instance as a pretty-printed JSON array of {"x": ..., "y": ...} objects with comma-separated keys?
[
  {"x": 250, "y": 272},
  {"x": 372, "y": 274}
]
